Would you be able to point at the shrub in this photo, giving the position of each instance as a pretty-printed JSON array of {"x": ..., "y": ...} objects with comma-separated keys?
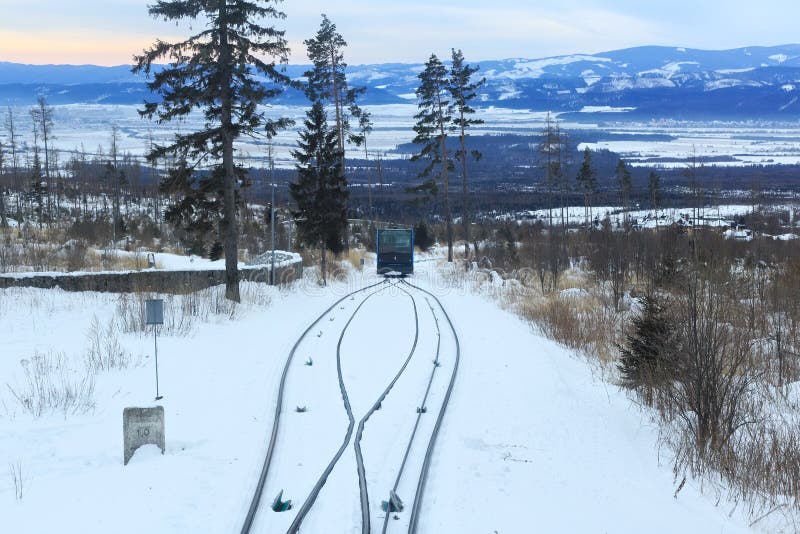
[
  {"x": 646, "y": 359},
  {"x": 423, "y": 236},
  {"x": 105, "y": 351},
  {"x": 52, "y": 385}
]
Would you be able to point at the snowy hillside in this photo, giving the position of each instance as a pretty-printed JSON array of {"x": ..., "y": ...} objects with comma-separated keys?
[
  {"x": 652, "y": 82},
  {"x": 533, "y": 441}
]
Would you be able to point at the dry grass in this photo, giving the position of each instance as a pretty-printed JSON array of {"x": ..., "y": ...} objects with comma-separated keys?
[
  {"x": 113, "y": 261},
  {"x": 579, "y": 322},
  {"x": 742, "y": 442},
  {"x": 572, "y": 279},
  {"x": 354, "y": 257},
  {"x": 31, "y": 249},
  {"x": 18, "y": 479},
  {"x": 105, "y": 351},
  {"x": 183, "y": 313},
  {"x": 53, "y": 384},
  {"x": 37, "y": 256},
  {"x": 576, "y": 317}
]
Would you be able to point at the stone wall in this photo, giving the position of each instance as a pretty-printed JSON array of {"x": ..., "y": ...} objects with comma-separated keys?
[{"x": 151, "y": 280}]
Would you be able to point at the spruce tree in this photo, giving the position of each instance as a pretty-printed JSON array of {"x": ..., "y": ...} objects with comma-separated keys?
[
  {"x": 42, "y": 116},
  {"x": 646, "y": 359},
  {"x": 562, "y": 178},
  {"x": 321, "y": 189},
  {"x": 360, "y": 138},
  {"x": 11, "y": 128},
  {"x": 327, "y": 80},
  {"x": 195, "y": 216},
  {"x": 434, "y": 119},
  {"x": 587, "y": 183},
  {"x": 116, "y": 178},
  {"x": 625, "y": 185},
  {"x": 217, "y": 70},
  {"x": 423, "y": 236},
  {"x": 463, "y": 91},
  {"x": 550, "y": 158},
  {"x": 38, "y": 187},
  {"x": 654, "y": 187}
]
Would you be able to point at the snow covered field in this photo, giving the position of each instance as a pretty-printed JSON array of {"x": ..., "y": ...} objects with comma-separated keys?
[
  {"x": 720, "y": 215},
  {"x": 534, "y": 440},
  {"x": 90, "y": 125},
  {"x": 733, "y": 145},
  {"x": 166, "y": 261}
]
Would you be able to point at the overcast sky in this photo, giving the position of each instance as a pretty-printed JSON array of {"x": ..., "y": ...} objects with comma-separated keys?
[{"x": 109, "y": 32}]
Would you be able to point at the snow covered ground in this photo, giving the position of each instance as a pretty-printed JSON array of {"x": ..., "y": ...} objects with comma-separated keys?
[
  {"x": 166, "y": 261},
  {"x": 721, "y": 215},
  {"x": 534, "y": 440},
  {"x": 731, "y": 145}
]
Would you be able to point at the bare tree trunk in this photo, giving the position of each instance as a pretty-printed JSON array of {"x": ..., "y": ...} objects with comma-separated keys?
[
  {"x": 323, "y": 263},
  {"x": 379, "y": 168},
  {"x": 12, "y": 138},
  {"x": 586, "y": 214},
  {"x": 548, "y": 174},
  {"x": 369, "y": 178},
  {"x": 45, "y": 136},
  {"x": 655, "y": 208},
  {"x": 115, "y": 209},
  {"x": 230, "y": 237},
  {"x": 563, "y": 156},
  {"x": 3, "y": 221},
  {"x": 446, "y": 180},
  {"x": 464, "y": 193},
  {"x": 337, "y": 105},
  {"x": 43, "y": 115}
]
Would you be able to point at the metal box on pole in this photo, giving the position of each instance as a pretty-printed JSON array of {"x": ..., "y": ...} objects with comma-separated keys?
[
  {"x": 154, "y": 315},
  {"x": 154, "y": 312}
]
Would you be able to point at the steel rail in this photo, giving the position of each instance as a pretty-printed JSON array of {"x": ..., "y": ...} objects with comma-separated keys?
[
  {"x": 254, "y": 505},
  {"x": 426, "y": 464},
  {"x": 312, "y": 497},
  {"x": 362, "y": 477},
  {"x": 419, "y": 419}
]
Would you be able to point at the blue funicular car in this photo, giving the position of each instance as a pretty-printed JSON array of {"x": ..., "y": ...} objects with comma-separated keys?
[{"x": 395, "y": 248}]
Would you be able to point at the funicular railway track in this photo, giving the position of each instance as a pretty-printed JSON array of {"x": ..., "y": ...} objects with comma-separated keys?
[{"x": 415, "y": 441}]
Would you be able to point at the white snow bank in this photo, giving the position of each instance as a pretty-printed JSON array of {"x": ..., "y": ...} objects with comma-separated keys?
[
  {"x": 171, "y": 262},
  {"x": 604, "y": 109},
  {"x": 146, "y": 453}
]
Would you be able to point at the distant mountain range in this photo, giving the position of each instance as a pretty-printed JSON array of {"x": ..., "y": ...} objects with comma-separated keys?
[{"x": 650, "y": 82}]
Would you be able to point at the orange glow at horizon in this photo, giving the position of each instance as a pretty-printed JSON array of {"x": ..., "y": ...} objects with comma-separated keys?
[{"x": 64, "y": 47}]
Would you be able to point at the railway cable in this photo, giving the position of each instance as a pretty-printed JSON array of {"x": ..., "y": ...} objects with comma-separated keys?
[{"x": 254, "y": 505}]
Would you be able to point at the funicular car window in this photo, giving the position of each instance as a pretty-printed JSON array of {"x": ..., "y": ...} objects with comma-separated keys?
[{"x": 395, "y": 241}]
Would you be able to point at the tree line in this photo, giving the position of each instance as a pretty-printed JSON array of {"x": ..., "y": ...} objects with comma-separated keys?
[
  {"x": 221, "y": 71},
  {"x": 215, "y": 71}
]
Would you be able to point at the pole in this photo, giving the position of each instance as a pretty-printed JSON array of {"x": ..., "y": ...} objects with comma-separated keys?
[
  {"x": 272, "y": 218},
  {"x": 155, "y": 342}
]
